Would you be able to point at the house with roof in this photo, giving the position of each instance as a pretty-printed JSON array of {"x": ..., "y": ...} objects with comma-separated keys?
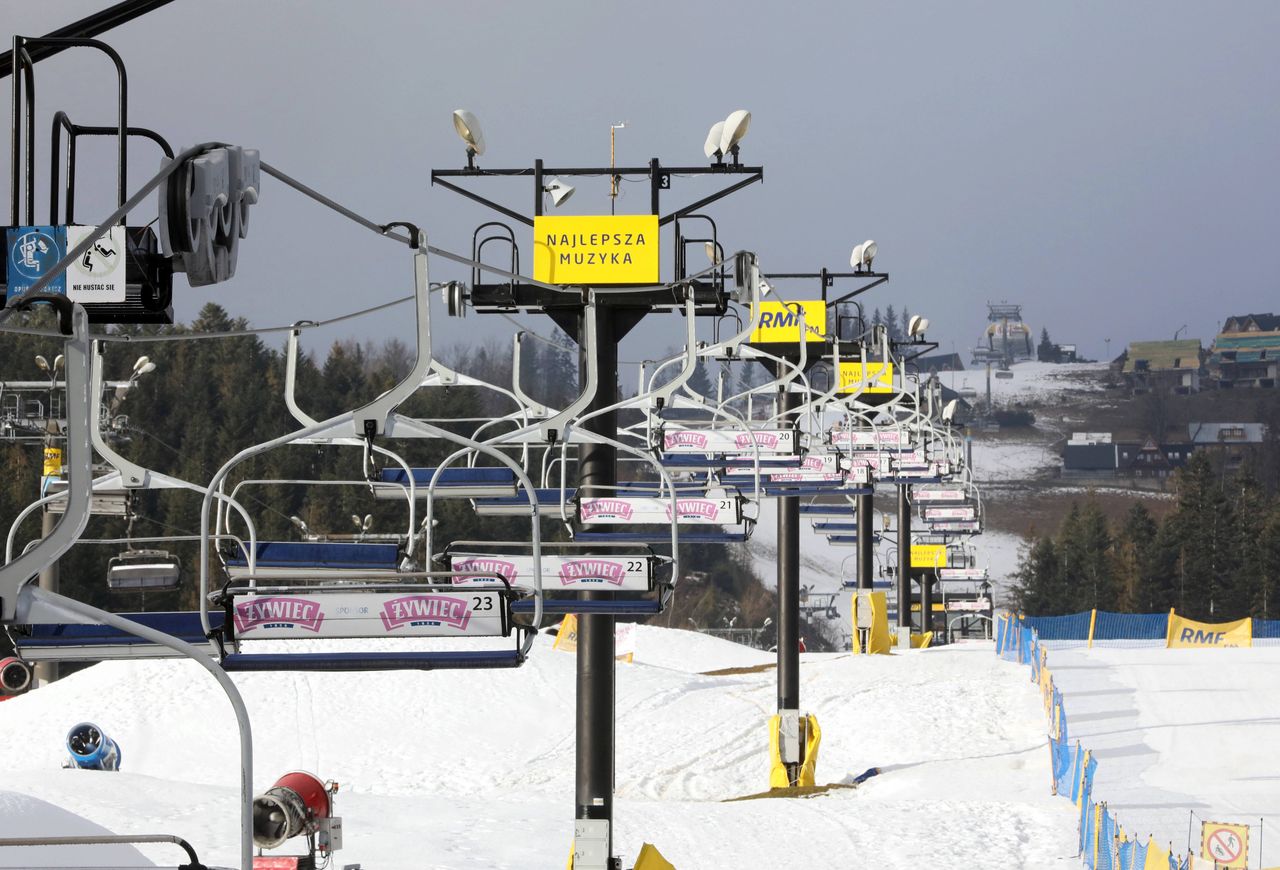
[
  {"x": 1173, "y": 365},
  {"x": 1246, "y": 353},
  {"x": 1229, "y": 442}
]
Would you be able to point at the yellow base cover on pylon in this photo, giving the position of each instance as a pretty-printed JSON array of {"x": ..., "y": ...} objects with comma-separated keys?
[
  {"x": 921, "y": 641},
  {"x": 808, "y": 766},
  {"x": 878, "y": 636},
  {"x": 651, "y": 859}
]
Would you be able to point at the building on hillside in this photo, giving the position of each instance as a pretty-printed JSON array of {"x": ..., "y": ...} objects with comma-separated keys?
[
  {"x": 1090, "y": 455},
  {"x": 1098, "y": 456},
  {"x": 1230, "y": 442},
  {"x": 1246, "y": 353},
  {"x": 938, "y": 362},
  {"x": 1172, "y": 365},
  {"x": 1147, "y": 458}
]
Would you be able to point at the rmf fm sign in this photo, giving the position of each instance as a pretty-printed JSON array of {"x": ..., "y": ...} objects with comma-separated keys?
[
  {"x": 780, "y": 322},
  {"x": 595, "y": 249}
]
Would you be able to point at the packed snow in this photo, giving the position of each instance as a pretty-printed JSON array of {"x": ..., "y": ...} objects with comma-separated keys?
[
  {"x": 466, "y": 769},
  {"x": 1179, "y": 730},
  {"x": 1032, "y": 382}
]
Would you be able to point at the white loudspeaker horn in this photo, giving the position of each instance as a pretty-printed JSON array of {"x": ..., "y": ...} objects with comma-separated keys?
[
  {"x": 560, "y": 192},
  {"x": 711, "y": 147},
  {"x": 735, "y": 127}
]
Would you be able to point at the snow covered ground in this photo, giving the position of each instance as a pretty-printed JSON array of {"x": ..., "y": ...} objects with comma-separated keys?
[
  {"x": 471, "y": 770},
  {"x": 1179, "y": 730},
  {"x": 1031, "y": 382},
  {"x": 1009, "y": 461}
]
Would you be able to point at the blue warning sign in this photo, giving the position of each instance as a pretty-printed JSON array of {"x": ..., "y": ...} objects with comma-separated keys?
[{"x": 33, "y": 252}]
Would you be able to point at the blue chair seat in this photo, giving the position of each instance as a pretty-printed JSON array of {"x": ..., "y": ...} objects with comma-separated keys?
[
  {"x": 460, "y": 481},
  {"x": 829, "y": 510},
  {"x": 617, "y": 606},
  {"x": 661, "y": 537},
  {"x": 519, "y": 503},
  {"x": 374, "y": 661},
  {"x": 77, "y": 642},
  {"x": 350, "y": 556},
  {"x": 795, "y": 490},
  {"x": 651, "y": 487}
]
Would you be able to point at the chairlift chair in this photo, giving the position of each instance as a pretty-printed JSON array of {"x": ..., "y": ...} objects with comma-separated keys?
[{"x": 143, "y": 570}]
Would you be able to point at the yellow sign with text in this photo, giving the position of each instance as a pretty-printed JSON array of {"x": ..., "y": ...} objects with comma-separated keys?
[
  {"x": 780, "y": 322},
  {"x": 52, "y": 461},
  {"x": 928, "y": 556},
  {"x": 567, "y": 634},
  {"x": 1185, "y": 633},
  {"x": 878, "y": 377},
  {"x": 596, "y": 249}
]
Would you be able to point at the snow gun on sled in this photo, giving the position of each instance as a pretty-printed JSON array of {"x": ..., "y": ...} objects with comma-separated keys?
[{"x": 298, "y": 805}]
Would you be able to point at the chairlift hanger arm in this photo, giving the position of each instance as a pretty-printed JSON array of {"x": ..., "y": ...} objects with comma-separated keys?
[
  {"x": 16, "y": 574},
  {"x": 89, "y": 26}
]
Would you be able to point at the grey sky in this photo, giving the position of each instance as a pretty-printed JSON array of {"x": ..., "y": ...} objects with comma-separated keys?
[{"x": 1112, "y": 166}]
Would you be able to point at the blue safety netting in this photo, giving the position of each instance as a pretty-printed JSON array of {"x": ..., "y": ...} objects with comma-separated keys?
[
  {"x": 1126, "y": 854},
  {"x": 1266, "y": 629},
  {"x": 1130, "y": 626},
  {"x": 1073, "y": 626},
  {"x": 1088, "y": 824},
  {"x": 1107, "y": 841},
  {"x": 1061, "y": 756}
]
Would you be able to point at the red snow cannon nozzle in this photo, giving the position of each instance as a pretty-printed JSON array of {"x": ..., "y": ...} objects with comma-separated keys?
[
  {"x": 297, "y": 804},
  {"x": 15, "y": 676}
]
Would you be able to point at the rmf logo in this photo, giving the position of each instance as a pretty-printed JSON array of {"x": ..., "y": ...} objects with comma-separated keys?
[
  {"x": 780, "y": 321},
  {"x": 1198, "y": 636},
  {"x": 784, "y": 320}
]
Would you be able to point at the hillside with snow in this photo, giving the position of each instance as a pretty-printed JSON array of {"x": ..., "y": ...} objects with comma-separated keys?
[{"x": 467, "y": 770}]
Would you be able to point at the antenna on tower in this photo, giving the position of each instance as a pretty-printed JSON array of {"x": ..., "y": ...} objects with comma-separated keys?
[{"x": 613, "y": 178}]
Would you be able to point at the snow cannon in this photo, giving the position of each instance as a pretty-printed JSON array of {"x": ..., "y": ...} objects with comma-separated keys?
[
  {"x": 298, "y": 804},
  {"x": 15, "y": 676},
  {"x": 91, "y": 749}
]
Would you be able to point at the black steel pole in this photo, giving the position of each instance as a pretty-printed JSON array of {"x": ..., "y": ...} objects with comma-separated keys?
[
  {"x": 789, "y": 587},
  {"x": 904, "y": 561},
  {"x": 597, "y": 475},
  {"x": 866, "y": 548}
]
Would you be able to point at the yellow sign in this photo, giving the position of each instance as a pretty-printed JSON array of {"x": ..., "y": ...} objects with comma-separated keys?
[
  {"x": 780, "y": 322},
  {"x": 1189, "y": 633},
  {"x": 52, "y": 461},
  {"x": 928, "y": 556},
  {"x": 878, "y": 377},
  {"x": 1225, "y": 845},
  {"x": 567, "y": 635},
  {"x": 596, "y": 249}
]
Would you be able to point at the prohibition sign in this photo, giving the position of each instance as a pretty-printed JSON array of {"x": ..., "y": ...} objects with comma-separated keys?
[{"x": 1223, "y": 844}]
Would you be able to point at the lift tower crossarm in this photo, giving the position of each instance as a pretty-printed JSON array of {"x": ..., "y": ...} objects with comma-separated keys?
[{"x": 87, "y": 27}]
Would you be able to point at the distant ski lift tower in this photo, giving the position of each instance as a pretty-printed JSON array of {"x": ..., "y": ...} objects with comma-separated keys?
[{"x": 1007, "y": 339}]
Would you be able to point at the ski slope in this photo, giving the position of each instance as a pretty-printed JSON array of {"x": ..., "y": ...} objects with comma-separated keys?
[
  {"x": 475, "y": 770},
  {"x": 1178, "y": 730}
]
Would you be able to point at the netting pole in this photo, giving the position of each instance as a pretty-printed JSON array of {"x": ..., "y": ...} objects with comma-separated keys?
[{"x": 1093, "y": 621}]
